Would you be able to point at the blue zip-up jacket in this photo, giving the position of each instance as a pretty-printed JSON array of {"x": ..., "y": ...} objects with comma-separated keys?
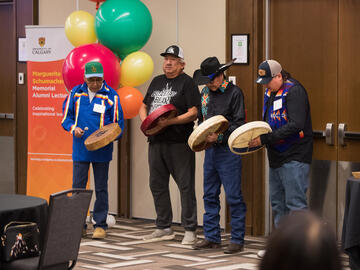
[{"x": 80, "y": 112}]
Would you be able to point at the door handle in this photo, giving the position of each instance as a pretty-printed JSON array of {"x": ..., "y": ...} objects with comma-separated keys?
[
  {"x": 328, "y": 133},
  {"x": 343, "y": 134},
  {"x": 6, "y": 116},
  {"x": 9, "y": 115}
]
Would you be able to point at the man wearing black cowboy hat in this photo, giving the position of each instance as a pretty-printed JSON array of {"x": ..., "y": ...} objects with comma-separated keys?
[
  {"x": 221, "y": 166},
  {"x": 169, "y": 153}
]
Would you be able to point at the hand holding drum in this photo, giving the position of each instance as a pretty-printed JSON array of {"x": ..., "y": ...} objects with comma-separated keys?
[
  {"x": 152, "y": 124},
  {"x": 102, "y": 136},
  {"x": 239, "y": 139},
  {"x": 198, "y": 138}
]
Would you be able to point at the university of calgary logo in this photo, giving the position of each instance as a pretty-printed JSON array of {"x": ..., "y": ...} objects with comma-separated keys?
[
  {"x": 42, "y": 41},
  {"x": 41, "y": 49},
  {"x": 93, "y": 69}
]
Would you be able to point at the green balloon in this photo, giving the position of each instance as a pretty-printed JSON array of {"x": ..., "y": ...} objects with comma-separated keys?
[{"x": 124, "y": 26}]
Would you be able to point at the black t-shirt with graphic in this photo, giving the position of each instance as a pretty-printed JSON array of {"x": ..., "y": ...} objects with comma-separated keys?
[{"x": 183, "y": 94}]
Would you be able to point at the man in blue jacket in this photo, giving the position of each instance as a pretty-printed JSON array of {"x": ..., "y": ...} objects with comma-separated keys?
[{"x": 87, "y": 108}]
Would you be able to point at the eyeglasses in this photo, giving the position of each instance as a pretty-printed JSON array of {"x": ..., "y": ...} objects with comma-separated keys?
[{"x": 95, "y": 80}]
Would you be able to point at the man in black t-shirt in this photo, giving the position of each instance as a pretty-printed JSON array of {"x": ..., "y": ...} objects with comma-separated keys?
[{"x": 169, "y": 153}]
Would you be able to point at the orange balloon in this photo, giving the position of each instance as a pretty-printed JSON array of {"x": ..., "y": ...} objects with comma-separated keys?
[{"x": 130, "y": 100}]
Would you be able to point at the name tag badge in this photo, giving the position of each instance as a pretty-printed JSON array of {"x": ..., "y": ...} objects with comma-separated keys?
[
  {"x": 99, "y": 108},
  {"x": 277, "y": 104}
]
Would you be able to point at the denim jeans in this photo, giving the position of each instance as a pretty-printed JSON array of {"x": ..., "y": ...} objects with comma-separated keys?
[
  {"x": 288, "y": 186},
  {"x": 101, "y": 172},
  {"x": 221, "y": 166}
]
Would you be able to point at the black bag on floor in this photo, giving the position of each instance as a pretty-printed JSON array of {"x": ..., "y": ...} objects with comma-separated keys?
[{"x": 20, "y": 240}]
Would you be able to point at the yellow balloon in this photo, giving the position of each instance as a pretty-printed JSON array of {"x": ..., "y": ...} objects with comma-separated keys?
[
  {"x": 80, "y": 28},
  {"x": 136, "y": 69}
]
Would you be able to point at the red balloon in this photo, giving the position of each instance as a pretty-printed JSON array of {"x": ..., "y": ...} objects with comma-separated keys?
[
  {"x": 130, "y": 100},
  {"x": 97, "y": 2},
  {"x": 74, "y": 64}
]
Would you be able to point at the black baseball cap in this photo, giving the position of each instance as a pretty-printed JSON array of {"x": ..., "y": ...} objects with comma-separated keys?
[
  {"x": 174, "y": 50},
  {"x": 268, "y": 70}
]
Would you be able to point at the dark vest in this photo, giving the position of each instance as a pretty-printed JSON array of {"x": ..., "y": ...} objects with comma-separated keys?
[{"x": 279, "y": 117}]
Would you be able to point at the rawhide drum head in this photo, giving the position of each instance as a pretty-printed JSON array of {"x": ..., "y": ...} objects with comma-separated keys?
[
  {"x": 149, "y": 125},
  {"x": 239, "y": 139},
  {"x": 197, "y": 139},
  {"x": 102, "y": 137}
]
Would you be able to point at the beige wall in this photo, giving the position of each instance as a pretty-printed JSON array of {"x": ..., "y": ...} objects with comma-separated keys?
[
  {"x": 199, "y": 27},
  {"x": 55, "y": 12}
]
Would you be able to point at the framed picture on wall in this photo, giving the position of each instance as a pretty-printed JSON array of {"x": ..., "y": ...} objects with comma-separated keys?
[{"x": 240, "y": 48}]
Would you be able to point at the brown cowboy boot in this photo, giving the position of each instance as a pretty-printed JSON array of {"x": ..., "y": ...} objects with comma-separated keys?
[{"x": 206, "y": 244}]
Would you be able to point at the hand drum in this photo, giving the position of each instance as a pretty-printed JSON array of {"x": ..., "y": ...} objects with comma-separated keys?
[
  {"x": 149, "y": 125},
  {"x": 197, "y": 139},
  {"x": 102, "y": 137},
  {"x": 239, "y": 139}
]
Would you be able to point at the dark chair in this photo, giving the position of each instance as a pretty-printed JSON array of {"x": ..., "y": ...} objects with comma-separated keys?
[{"x": 67, "y": 214}]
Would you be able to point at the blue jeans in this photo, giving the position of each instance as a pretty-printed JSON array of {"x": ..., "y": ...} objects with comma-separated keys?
[
  {"x": 288, "y": 186},
  {"x": 101, "y": 172},
  {"x": 221, "y": 166}
]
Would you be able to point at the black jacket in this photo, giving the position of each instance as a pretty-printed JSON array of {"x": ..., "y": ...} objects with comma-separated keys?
[{"x": 299, "y": 119}]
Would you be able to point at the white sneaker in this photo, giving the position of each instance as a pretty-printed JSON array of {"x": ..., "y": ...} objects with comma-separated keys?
[
  {"x": 261, "y": 253},
  {"x": 160, "y": 234},
  {"x": 189, "y": 238}
]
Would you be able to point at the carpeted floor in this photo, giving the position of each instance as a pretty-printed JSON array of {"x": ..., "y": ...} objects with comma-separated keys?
[{"x": 124, "y": 249}]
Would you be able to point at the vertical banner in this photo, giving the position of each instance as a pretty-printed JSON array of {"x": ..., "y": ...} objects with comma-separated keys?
[{"x": 49, "y": 166}]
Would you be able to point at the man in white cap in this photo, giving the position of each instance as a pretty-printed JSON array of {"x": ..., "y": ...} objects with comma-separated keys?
[
  {"x": 290, "y": 145},
  {"x": 169, "y": 153}
]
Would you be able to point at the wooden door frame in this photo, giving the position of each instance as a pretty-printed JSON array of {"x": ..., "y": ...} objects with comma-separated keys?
[
  {"x": 247, "y": 17},
  {"x": 7, "y": 125},
  {"x": 124, "y": 161},
  {"x": 26, "y": 13}
]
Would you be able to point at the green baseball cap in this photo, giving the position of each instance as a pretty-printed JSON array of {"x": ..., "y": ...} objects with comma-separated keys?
[{"x": 94, "y": 69}]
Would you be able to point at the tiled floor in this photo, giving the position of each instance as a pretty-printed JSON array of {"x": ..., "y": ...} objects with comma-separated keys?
[{"x": 124, "y": 249}]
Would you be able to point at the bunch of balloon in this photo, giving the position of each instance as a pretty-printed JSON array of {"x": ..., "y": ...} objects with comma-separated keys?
[
  {"x": 80, "y": 30},
  {"x": 74, "y": 65},
  {"x": 124, "y": 26},
  {"x": 130, "y": 100}
]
